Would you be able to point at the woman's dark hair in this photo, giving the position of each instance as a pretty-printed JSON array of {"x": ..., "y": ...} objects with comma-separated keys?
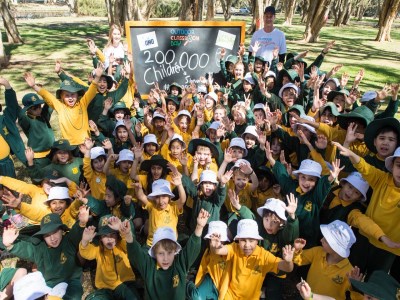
[{"x": 150, "y": 178}]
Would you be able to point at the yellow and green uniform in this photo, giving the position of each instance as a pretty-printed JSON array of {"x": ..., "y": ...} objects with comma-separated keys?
[
  {"x": 325, "y": 279},
  {"x": 245, "y": 196},
  {"x": 73, "y": 121},
  {"x": 96, "y": 180},
  {"x": 259, "y": 197},
  {"x": 167, "y": 155},
  {"x": 248, "y": 272},
  {"x": 99, "y": 208}
]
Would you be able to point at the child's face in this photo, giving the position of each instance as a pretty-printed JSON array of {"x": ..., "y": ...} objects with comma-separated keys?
[
  {"x": 238, "y": 117},
  {"x": 264, "y": 184},
  {"x": 237, "y": 153},
  {"x": 102, "y": 85},
  {"x": 327, "y": 117},
  {"x": 306, "y": 132},
  {"x": 240, "y": 180},
  {"x": 156, "y": 171},
  {"x": 164, "y": 257},
  {"x": 116, "y": 36},
  {"x": 250, "y": 140},
  {"x": 150, "y": 149},
  {"x": 109, "y": 198},
  {"x": 212, "y": 135},
  {"x": 396, "y": 171},
  {"x": 54, "y": 238},
  {"x": 285, "y": 80},
  {"x": 259, "y": 115},
  {"x": 230, "y": 67},
  {"x": 183, "y": 124},
  {"x": 292, "y": 119},
  {"x": 326, "y": 246},
  {"x": 203, "y": 155},
  {"x": 98, "y": 164},
  {"x": 271, "y": 223},
  {"x": 258, "y": 66},
  {"x": 340, "y": 102},
  {"x": 109, "y": 240},
  {"x": 385, "y": 143},
  {"x": 176, "y": 149},
  {"x": 270, "y": 83},
  {"x": 171, "y": 107},
  {"x": 289, "y": 97},
  {"x": 69, "y": 98},
  {"x": 276, "y": 147},
  {"x": 239, "y": 70},
  {"x": 209, "y": 103},
  {"x": 247, "y": 246},
  {"x": 58, "y": 206},
  {"x": 122, "y": 134},
  {"x": 247, "y": 87},
  {"x": 174, "y": 91},
  {"x": 219, "y": 114},
  {"x": 119, "y": 114},
  {"x": 162, "y": 202},
  {"x": 349, "y": 193},
  {"x": 330, "y": 86},
  {"x": 307, "y": 182},
  {"x": 208, "y": 188},
  {"x": 35, "y": 110},
  {"x": 62, "y": 156},
  {"x": 159, "y": 124},
  {"x": 125, "y": 166}
]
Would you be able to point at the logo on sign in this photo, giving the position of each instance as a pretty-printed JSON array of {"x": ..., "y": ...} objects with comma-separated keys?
[
  {"x": 225, "y": 39},
  {"x": 147, "y": 40}
]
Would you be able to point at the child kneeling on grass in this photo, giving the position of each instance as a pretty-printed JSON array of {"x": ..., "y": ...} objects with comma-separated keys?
[{"x": 164, "y": 266}]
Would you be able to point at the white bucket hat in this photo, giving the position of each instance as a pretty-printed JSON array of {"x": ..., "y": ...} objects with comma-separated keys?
[
  {"x": 178, "y": 137},
  {"x": 335, "y": 81},
  {"x": 259, "y": 106},
  {"x": 389, "y": 160},
  {"x": 275, "y": 205},
  {"x": 150, "y": 138},
  {"x": 270, "y": 74},
  {"x": 164, "y": 233},
  {"x": 238, "y": 142},
  {"x": 212, "y": 95},
  {"x": 339, "y": 236},
  {"x": 250, "y": 130},
  {"x": 358, "y": 182},
  {"x": 125, "y": 154},
  {"x": 286, "y": 86},
  {"x": 202, "y": 89},
  {"x": 183, "y": 112},
  {"x": 160, "y": 187},
  {"x": 309, "y": 167},
  {"x": 208, "y": 176},
  {"x": 157, "y": 115},
  {"x": 249, "y": 78},
  {"x": 247, "y": 229},
  {"x": 58, "y": 193},
  {"x": 214, "y": 125},
  {"x": 240, "y": 162},
  {"x": 218, "y": 227},
  {"x": 118, "y": 124},
  {"x": 369, "y": 95},
  {"x": 310, "y": 128},
  {"x": 95, "y": 152}
]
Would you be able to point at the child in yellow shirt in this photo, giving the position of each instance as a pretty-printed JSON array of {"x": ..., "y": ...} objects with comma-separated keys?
[{"x": 203, "y": 151}]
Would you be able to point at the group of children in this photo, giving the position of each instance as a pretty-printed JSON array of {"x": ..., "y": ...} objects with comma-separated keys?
[{"x": 214, "y": 191}]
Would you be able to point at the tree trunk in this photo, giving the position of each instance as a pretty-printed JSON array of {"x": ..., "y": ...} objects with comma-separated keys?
[
  {"x": 226, "y": 9},
  {"x": 10, "y": 26},
  {"x": 339, "y": 10},
  {"x": 186, "y": 13},
  {"x": 73, "y": 6},
  {"x": 123, "y": 10},
  {"x": 290, "y": 6},
  {"x": 386, "y": 18},
  {"x": 258, "y": 13},
  {"x": 149, "y": 8},
  {"x": 317, "y": 16},
  {"x": 210, "y": 10},
  {"x": 3, "y": 56},
  {"x": 349, "y": 13},
  {"x": 267, "y": 3},
  {"x": 304, "y": 8},
  {"x": 378, "y": 11},
  {"x": 275, "y": 3},
  {"x": 110, "y": 11},
  {"x": 198, "y": 11}
]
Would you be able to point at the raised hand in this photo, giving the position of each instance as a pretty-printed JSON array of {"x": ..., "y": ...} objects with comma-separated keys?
[
  {"x": 344, "y": 79},
  {"x": 255, "y": 47},
  {"x": 30, "y": 79},
  {"x": 83, "y": 215},
  {"x": 234, "y": 198},
  {"x": 226, "y": 177},
  {"x": 114, "y": 223},
  {"x": 108, "y": 103},
  {"x": 107, "y": 145},
  {"x": 126, "y": 231},
  {"x": 10, "y": 200},
  {"x": 176, "y": 178},
  {"x": 359, "y": 77},
  {"x": 10, "y": 234},
  {"x": 299, "y": 244},
  {"x": 328, "y": 46},
  {"x": 291, "y": 206},
  {"x": 287, "y": 253},
  {"x": 355, "y": 274},
  {"x": 88, "y": 235},
  {"x": 336, "y": 169},
  {"x": 202, "y": 218},
  {"x": 57, "y": 67}
]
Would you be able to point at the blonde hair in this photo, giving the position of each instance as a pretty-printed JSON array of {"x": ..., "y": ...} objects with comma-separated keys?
[
  {"x": 168, "y": 245},
  {"x": 110, "y": 38}
]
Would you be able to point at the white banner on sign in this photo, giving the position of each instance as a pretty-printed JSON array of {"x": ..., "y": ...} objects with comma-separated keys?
[
  {"x": 225, "y": 39},
  {"x": 147, "y": 40}
]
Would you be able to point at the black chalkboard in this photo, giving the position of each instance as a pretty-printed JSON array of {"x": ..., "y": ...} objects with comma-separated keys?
[{"x": 179, "y": 51}]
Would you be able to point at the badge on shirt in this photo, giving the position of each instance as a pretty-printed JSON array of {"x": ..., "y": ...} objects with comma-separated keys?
[
  {"x": 75, "y": 170},
  {"x": 175, "y": 281},
  {"x": 308, "y": 206},
  {"x": 63, "y": 258},
  {"x": 256, "y": 270},
  {"x": 98, "y": 180},
  {"x": 338, "y": 279},
  {"x": 274, "y": 248}
]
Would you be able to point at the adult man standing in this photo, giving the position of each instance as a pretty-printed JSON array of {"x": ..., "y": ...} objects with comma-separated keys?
[{"x": 269, "y": 38}]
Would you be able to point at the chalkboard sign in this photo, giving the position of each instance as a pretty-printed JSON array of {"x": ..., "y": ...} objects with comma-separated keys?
[{"x": 179, "y": 51}]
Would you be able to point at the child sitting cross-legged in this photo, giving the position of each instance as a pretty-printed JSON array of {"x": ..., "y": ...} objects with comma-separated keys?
[{"x": 164, "y": 266}]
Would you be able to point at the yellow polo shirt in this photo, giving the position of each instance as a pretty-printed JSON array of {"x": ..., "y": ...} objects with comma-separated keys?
[
  {"x": 4, "y": 148},
  {"x": 245, "y": 196},
  {"x": 96, "y": 180}
]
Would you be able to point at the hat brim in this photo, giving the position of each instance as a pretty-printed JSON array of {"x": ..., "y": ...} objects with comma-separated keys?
[
  {"x": 37, "y": 102},
  {"x": 376, "y": 125},
  {"x": 147, "y": 164},
  {"x": 332, "y": 107},
  {"x": 125, "y": 109},
  {"x": 368, "y": 288},
  {"x": 200, "y": 142},
  {"x": 178, "y": 248},
  {"x": 332, "y": 242},
  {"x": 306, "y": 172},
  {"x": 104, "y": 230},
  {"x": 254, "y": 236},
  {"x": 71, "y": 89},
  {"x": 343, "y": 119},
  {"x": 153, "y": 195},
  {"x": 223, "y": 238},
  {"x": 333, "y": 94},
  {"x": 51, "y": 228}
]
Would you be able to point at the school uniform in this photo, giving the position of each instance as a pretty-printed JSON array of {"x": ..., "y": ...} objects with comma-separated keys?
[
  {"x": 99, "y": 208},
  {"x": 96, "y": 180}
]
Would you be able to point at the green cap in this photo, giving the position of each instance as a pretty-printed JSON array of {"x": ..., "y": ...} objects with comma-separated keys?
[
  {"x": 49, "y": 224},
  {"x": 376, "y": 125},
  {"x": 70, "y": 86},
  {"x": 30, "y": 100},
  {"x": 231, "y": 59},
  {"x": 174, "y": 99},
  {"x": 292, "y": 74},
  {"x": 333, "y": 108},
  {"x": 62, "y": 144},
  {"x": 380, "y": 285},
  {"x": 155, "y": 160},
  {"x": 103, "y": 227},
  {"x": 286, "y": 115},
  {"x": 333, "y": 94},
  {"x": 178, "y": 86},
  {"x": 260, "y": 58},
  {"x": 203, "y": 142},
  {"x": 120, "y": 106},
  {"x": 116, "y": 186},
  {"x": 362, "y": 113}
]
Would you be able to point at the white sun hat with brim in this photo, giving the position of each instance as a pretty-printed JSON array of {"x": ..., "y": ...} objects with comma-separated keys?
[
  {"x": 150, "y": 139},
  {"x": 58, "y": 193},
  {"x": 339, "y": 236},
  {"x": 368, "y": 96},
  {"x": 238, "y": 142},
  {"x": 240, "y": 162},
  {"x": 310, "y": 128},
  {"x": 247, "y": 229},
  {"x": 390, "y": 160},
  {"x": 179, "y": 138},
  {"x": 212, "y": 95},
  {"x": 250, "y": 130},
  {"x": 95, "y": 152},
  {"x": 157, "y": 115},
  {"x": 309, "y": 167},
  {"x": 214, "y": 125},
  {"x": 182, "y": 112},
  {"x": 358, "y": 182},
  {"x": 118, "y": 124},
  {"x": 208, "y": 176},
  {"x": 249, "y": 78},
  {"x": 202, "y": 89},
  {"x": 287, "y": 86},
  {"x": 160, "y": 187},
  {"x": 270, "y": 74},
  {"x": 164, "y": 233},
  {"x": 219, "y": 228},
  {"x": 334, "y": 80},
  {"x": 259, "y": 106},
  {"x": 125, "y": 154},
  {"x": 275, "y": 205}
]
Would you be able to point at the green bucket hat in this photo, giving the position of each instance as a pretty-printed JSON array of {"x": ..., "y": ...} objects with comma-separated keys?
[
  {"x": 61, "y": 144},
  {"x": 120, "y": 106},
  {"x": 157, "y": 160},
  {"x": 49, "y": 224},
  {"x": 380, "y": 285},
  {"x": 333, "y": 108},
  {"x": 103, "y": 227},
  {"x": 362, "y": 112},
  {"x": 203, "y": 142},
  {"x": 174, "y": 99},
  {"x": 286, "y": 115},
  {"x": 70, "y": 86},
  {"x": 376, "y": 125},
  {"x": 30, "y": 100},
  {"x": 116, "y": 186},
  {"x": 292, "y": 74},
  {"x": 231, "y": 59},
  {"x": 260, "y": 58},
  {"x": 333, "y": 94},
  {"x": 178, "y": 86}
]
